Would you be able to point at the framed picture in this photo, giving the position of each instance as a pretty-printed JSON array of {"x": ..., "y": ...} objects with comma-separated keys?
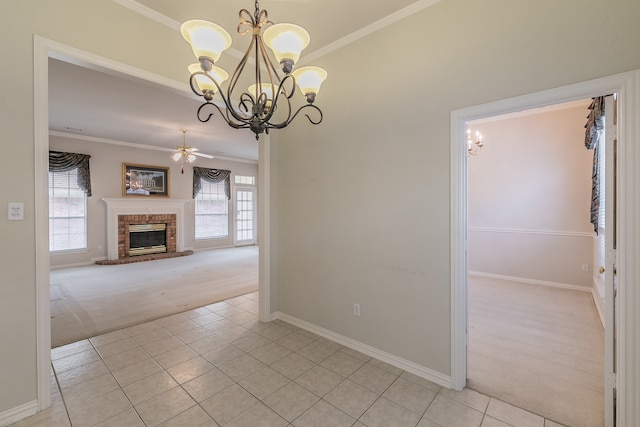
[{"x": 142, "y": 180}]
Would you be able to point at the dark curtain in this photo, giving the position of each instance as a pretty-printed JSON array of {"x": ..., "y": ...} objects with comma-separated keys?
[
  {"x": 64, "y": 162},
  {"x": 594, "y": 129},
  {"x": 211, "y": 175}
]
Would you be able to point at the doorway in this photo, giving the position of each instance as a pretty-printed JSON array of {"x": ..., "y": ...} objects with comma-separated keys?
[
  {"x": 43, "y": 49},
  {"x": 534, "y": 331},
  {"x": 625, "y": 85}
]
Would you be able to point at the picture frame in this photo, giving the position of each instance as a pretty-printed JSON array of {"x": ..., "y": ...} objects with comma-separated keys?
[{"x": 144, "y": 180}]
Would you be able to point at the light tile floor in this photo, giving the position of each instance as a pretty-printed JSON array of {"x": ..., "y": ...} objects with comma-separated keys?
[{"x": 219, "y": 366}]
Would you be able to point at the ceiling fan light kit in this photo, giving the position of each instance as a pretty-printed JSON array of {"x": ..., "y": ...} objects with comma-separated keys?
[
  {"x": 255, "y": 106},
  {"x": 187, "y": 154}
]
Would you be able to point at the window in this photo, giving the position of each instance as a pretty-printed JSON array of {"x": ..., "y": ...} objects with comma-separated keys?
[
  {"x": 245, "y": 180},
  {"x": 67, "y": 212},
  {"x": 212, "y": 211}
]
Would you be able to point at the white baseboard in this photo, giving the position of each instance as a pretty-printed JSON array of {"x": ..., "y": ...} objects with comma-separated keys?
[
  {"x": 398, "y": 362},
  {"x": 78, "y": 264},
  {"x": 16, "y": 414},
  {"x": 531, "y": 281}
]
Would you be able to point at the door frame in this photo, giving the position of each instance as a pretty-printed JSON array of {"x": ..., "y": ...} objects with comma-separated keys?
[
  {"x": 627, "y": 86},
  {"x": 44, "y": 48},
  {"x": 254, "y": 190}
]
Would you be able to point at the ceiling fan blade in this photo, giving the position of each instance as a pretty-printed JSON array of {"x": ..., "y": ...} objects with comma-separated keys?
[{"x": 208, "y": 156}]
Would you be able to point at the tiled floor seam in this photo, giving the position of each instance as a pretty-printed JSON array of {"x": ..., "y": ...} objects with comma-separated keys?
[{"x": 64, "y": 403}]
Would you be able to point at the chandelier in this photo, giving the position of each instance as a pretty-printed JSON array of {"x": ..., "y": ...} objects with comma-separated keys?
[
  {"x": 474, "y": 147},
  {"x": 256, "y": 106}
]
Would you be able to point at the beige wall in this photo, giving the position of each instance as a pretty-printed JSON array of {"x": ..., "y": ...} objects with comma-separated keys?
[
  {"x": 101, "y": 27},
  {"x": 106, "y": 181},
  {"x": 529, "y": 198},
  {"x": 362, "y": 201}
]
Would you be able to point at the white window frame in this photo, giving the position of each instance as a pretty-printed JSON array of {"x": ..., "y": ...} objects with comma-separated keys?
[
  {"x": 204, "y": 192},
  {"x": 72, "y": 187}
]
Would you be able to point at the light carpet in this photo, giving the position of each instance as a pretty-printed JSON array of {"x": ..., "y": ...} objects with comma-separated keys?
[
  {"x": 539, "y": 348},
  {"x": 91, "y": 300}
]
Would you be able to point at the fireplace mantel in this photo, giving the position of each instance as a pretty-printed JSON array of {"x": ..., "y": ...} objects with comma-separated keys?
[{"x": 142, "y": 206}]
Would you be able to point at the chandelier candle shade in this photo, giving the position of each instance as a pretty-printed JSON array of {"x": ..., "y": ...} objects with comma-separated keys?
[{"x": 256, "y": 106}]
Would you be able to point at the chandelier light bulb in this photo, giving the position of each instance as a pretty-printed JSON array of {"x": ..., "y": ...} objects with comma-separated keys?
[
  {"x": 204, "y": 83},
  {"x": 309, "y": 80},
  {"x": 286, "y": 41},
  {"x": 207, "y": 39},
  {"x": 176, "y": 156}
]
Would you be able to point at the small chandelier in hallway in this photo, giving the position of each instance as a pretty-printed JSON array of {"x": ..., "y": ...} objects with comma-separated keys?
[{"x": 474, "y": 147}]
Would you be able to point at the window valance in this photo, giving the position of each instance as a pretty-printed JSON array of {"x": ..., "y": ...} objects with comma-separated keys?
[
  {"x": 594, "y": 129},
  {"x": 60, "y": 161},
  {"x": 211, "y": 175}
]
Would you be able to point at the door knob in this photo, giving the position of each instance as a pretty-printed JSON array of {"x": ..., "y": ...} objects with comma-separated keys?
[{"x": 601, "y": 270}]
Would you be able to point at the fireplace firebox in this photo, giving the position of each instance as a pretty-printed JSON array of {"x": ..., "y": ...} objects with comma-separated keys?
[{"x": 147, "y": 239}]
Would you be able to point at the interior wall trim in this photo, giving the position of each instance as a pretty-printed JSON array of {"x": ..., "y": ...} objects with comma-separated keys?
[
  {"x": 18, "y": 413},
  {"x": 531, "y": 231},
  {"x": 393, "y": 360},
  {"x": 531, "y": 281}
]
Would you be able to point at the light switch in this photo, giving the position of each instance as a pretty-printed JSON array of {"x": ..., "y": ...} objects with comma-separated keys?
[{"x": 16, "y": 211}]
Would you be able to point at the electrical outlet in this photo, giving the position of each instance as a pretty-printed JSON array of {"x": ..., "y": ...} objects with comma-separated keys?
[
  {"x": 356, "y": 309},
  {"x": 16, "y": 211},
  {"x": 585, "y": 267},
  {"x": 99, "y": 247}
]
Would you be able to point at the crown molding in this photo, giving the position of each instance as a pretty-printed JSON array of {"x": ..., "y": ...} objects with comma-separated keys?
[
  {"x": 356, "y": 35},
  {"x": 164, "y": 20},
  {"x": 371, "y": 28}
]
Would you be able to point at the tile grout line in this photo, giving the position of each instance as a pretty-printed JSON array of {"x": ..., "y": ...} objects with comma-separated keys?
[{"x": 64, "y": 403}]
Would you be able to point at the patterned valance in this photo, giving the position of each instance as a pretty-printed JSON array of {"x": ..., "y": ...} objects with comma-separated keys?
[
  {"x": 64, "y": 162},
  {"x": 211, "y": 175},
  {"x": 594, "y": 129}
]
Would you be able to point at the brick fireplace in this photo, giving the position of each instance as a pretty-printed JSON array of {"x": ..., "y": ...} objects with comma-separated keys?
[
  {"x": 123, "y": 212},
  {"x": 124, "y": 231}
]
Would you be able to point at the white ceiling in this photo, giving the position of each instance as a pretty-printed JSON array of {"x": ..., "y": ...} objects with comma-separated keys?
[{"x": 101, "y": 106}]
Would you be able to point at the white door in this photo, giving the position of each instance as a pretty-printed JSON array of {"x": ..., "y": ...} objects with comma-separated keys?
[
  {"x": 245, "y": 214},
  {"x": 608, "y": 270}
]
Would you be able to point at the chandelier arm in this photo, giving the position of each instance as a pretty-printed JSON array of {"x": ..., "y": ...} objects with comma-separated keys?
[
  {"x": 198, "y": 113},
  {"x": 307, "y": 115},
  {"x": 196, "y": 88},
  {"x": 242, "y": 125},
  {"x": 274, "y": 103}
]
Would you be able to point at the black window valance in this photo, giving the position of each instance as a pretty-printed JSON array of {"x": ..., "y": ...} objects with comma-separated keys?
[
  {"x": 211, "y": 175},
  {"x": 60, "y": 161}
]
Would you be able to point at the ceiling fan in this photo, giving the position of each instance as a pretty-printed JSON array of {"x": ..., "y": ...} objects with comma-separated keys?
[{"x": 184, "y": 153}]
